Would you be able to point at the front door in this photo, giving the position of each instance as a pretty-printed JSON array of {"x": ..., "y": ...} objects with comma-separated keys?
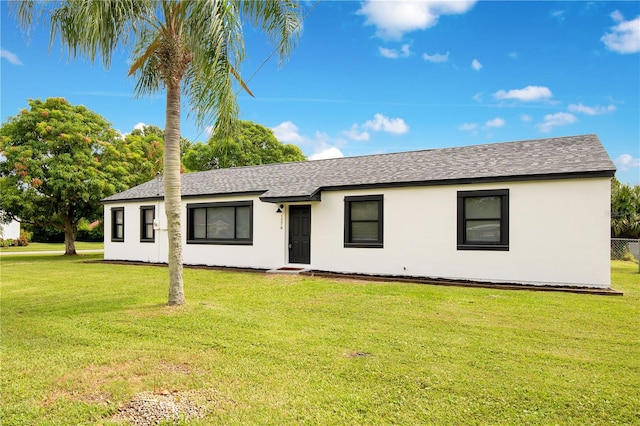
[{"x": 300, "y": 234}]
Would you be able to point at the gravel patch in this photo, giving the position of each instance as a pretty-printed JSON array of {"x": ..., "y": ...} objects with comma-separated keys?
[{"x": 149, "y": 409}]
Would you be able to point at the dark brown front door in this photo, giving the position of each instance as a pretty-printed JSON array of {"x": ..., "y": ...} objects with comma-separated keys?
[{"x": 300, "y": 234}]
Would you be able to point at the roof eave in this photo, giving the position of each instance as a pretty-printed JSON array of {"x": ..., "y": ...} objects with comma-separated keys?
[{"x": 315, "y": 196}]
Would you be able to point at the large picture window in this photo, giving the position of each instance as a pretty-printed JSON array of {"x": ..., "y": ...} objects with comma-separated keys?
[
  {"x": 483, "y": 220},
  {"x": 147, "y": 215},
  {"x": 363, "y": 223},
  {"x": 117, "y": 224},
  {"x": 220, "y": 223}
]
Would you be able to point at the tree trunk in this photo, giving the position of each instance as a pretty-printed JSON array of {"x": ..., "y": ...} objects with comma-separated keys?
[
  {"x": 70, "y": 233},
  {"x": 172, "y": 199}
]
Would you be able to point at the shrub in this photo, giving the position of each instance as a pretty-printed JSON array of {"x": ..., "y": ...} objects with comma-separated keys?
[
  {"x": 45, "y": 235},
  {"x": 24, "y": 239}
]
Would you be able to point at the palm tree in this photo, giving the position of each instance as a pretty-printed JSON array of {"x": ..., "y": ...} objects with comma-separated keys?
[
  {"x": 625, "y": 210},
  {"x": 186, "y": 47}
]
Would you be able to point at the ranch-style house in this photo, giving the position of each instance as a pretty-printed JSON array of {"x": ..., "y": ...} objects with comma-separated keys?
[{"x": 533, "y": 212}]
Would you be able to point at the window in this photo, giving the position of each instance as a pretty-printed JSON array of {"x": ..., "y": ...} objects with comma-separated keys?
[
  {"x": 483, "y": 220},
  {"x": 220, "y": 223},
  {"x": 117, "y": 224},
  {"x": 363, "y": 221},
  {"x": 147, "y": 215}
]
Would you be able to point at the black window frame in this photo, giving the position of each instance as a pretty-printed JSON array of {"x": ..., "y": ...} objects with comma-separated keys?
[
  {"x": 115, "y": 225},
  {"x": 348, "y": 238},
  {"x": 503, "y": 244},
  {"x": 220, "y": 241},
  {"x": 144, "y": 238}
]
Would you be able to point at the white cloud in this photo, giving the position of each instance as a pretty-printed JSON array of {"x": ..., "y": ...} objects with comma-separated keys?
[
  {"x": 436, "y": 57},
  {"x": 513, "y": 55},
  {"x": 617, "y": 16},
  {"x": 320, "y": 144},
  {"x": 468, "y": 127},
  {"x": 528, "y": 94},
  {"x": 624, "y": 37},
  {"x": 477, "y": 97},
  {"x": 526, "y": 118},
  {"x": 379, "y": 123},
  {"x": 287, "y": 132},
  {"x": 476, "y": 65},
  {"x": 355, "y": 134},
  {"x": 626, "y": 162},
  {"x": 326, "y": 153},
  {"x": 390, "y": 125},
  {"x": 388, "y": 53},
  {"x": 404, "y": 52},
  {"x": 557, "y": 119},
  {"x": 11, "y": 57},
  {"x": 393, "y": 19},
  {"x": 596, "y": 110},
  {"x": 496, "y": 123},
  {"x": 139, "y": 126}
]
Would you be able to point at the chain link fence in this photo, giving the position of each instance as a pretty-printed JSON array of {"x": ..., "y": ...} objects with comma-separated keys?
[{"x": 625, "y": 249}]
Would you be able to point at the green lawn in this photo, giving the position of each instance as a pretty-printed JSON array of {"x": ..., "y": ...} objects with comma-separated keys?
[
  {"x": 80, "y": 245},
  {"x": 81, "y": 339}
]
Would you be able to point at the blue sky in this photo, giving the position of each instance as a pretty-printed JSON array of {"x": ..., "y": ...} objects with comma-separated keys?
[{"x": 375, "y": 77}]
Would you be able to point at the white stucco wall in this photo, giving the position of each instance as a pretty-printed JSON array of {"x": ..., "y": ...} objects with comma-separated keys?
[
  {"x": 132, "y": 248},
  {"x": 10, "y": 230},
  {"x": 267, "y": 250},
  {"x": 559, "y": 235}
]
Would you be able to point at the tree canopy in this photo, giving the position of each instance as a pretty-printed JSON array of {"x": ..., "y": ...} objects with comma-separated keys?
[
  {"x": 625, "y": 210},
  {"x": 145, "y": 151},
  {"x": 60, "y": 161},
  {"x": 253, "y": 144}
]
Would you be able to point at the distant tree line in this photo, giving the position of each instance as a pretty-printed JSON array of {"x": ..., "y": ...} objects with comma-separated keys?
[{"x": 625, "y": 210}]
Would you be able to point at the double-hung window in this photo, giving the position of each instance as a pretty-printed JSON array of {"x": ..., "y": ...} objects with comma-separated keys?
[
  {"x": 147, "y": 215},
  {"x": 363, "y": 221},
  {"x": 117, "y": 224},
  {"x": 483, "y": 220},
  {"x": 220, "y": 223}
]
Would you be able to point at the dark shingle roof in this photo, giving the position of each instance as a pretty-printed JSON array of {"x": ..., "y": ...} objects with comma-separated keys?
[{"x": 581, "y": 155}]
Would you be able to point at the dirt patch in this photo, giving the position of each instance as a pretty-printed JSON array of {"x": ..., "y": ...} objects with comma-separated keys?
[
  {"x": 176, "y": 368},
  {"x": 357, "y": 354}
]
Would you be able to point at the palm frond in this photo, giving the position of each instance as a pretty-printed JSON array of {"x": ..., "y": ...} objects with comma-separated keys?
[
  {"x": 95, "y": 29},
  {"x": 235, "y": 73},
  {"x": 145, "y": 64},
  {"x": 279, "y": 19},
  {"x": 214, "y": 37},
  {"x": 145, "y": 57}
]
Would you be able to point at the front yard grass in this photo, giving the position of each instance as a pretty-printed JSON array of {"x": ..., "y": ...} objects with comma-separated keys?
[
  {"x": 80, "y": 245},
  {"x": 79, "y": 340}
]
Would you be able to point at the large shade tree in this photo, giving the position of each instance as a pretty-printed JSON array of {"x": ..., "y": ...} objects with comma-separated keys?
[
  {"x": 253, "y": 144},
  {"x": 190, "y": 48},
  {"x": 59, "y": 161},
  {"x": 145, "y": 152}
]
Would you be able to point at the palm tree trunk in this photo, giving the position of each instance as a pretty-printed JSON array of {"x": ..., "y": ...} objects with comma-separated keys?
[{"x": 172, "y": 199}]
